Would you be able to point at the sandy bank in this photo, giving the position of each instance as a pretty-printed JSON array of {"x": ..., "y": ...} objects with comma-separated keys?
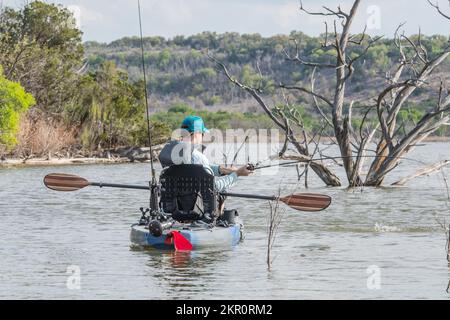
[
  {"x": 60, "y": 162},
  {"x": 123, "y": 155}
]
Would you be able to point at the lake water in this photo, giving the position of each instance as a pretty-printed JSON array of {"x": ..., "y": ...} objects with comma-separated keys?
[{"x": 370, "y": 244}]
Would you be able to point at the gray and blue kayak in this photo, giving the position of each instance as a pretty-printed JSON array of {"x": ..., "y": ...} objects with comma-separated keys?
[{"x": 200, "y": 235}]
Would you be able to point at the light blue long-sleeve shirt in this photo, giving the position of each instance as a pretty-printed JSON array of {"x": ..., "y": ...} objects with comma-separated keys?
[
  {"x": 177, "y": 152},
  {"x": 222, "y": 182}
]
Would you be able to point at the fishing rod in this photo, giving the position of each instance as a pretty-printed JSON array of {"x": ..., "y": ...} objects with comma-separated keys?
[
  {"x": 253, "y": 167},
  {"x": 154, "y": 194}
]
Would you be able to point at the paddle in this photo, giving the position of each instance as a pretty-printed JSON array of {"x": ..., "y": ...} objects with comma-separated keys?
[
  {"x": 309, "y": 202},
  {"x": 68, "y": 182},
  {"x": 302, "y": 202}
]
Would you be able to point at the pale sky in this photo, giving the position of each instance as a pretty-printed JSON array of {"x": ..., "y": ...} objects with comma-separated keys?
[{"x": 108, "y": 20}]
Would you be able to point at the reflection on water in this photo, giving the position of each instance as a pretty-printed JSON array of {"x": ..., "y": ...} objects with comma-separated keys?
[
  {"x": 323, "y": 255},
  {"x": 183, "y": 273}
]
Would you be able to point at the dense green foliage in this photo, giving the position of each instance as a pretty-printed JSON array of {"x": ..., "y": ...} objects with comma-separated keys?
[
  {"x": 218, "y": 120},
  {"x": 14, "y": 101}
]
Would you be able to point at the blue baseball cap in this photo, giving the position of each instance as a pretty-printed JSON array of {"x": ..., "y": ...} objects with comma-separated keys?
[{"x": 194, "y": 124}]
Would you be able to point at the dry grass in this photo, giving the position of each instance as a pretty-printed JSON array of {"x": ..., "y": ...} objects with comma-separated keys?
[{"x": 43, "y": 139}]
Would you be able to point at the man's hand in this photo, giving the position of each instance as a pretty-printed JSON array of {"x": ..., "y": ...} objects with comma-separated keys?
[
  {"x": 244, "y": 171},
  {"x": 226, "y": 171},
  {"x": 241, "y": 172}
]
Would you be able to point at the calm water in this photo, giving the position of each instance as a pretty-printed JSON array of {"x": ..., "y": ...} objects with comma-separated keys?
[{"x": 318, "y": 255}]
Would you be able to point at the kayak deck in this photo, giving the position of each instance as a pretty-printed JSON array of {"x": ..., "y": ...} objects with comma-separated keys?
[{"x": 201, "y": 236}]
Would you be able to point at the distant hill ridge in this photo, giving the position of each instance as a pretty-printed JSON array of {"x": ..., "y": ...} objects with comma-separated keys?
[{"x": 180, "y": 71}]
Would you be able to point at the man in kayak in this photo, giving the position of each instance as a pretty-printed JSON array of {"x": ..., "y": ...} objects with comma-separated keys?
[
  {"x": 227, "y": 177},
  {"x": 195, "y": 129}
]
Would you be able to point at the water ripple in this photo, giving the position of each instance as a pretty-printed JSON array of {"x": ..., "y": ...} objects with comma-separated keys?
[{"x": 317, "y": 255}]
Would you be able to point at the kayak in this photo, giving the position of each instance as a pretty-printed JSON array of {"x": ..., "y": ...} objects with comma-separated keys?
[{"x": 199, "y": 234}]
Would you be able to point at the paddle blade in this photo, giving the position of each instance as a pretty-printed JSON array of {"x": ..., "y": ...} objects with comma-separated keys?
[
  {"x": 65, "y": 182},
  {"x": 179, "y": 241},
  {"x": 307, "y": 202}
]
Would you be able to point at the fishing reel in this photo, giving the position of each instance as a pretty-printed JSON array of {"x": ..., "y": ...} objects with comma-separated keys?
[
  {"x": 157, "y": 227},
  {"x": 156, "y": 223}
]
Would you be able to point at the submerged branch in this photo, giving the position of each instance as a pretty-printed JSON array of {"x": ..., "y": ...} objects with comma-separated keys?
[{"x": 423, "y": 172}]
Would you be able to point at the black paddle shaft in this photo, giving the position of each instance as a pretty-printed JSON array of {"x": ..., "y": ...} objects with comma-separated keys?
[
  {"x": 122, "y": 186},
  {"x": 249, "y": 196}
]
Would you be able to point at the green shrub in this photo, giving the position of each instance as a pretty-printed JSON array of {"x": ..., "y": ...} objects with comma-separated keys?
[{"x": 14, "y": 101}]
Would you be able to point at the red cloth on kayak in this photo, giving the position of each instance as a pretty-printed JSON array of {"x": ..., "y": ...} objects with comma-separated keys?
[{"x": 179, "y": 241}]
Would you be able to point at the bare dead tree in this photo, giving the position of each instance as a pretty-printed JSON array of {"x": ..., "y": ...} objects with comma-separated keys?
[
  {"x": 442, "y": 223},
  {"x": 274, "y": 221},
  {"x": 280, "y": 118},
  {"x": 436, "y": 6},
  {"x": 446, "y": 230},
  {"x": 392, "y": 139},
  {"x": 391, "y": 147}
]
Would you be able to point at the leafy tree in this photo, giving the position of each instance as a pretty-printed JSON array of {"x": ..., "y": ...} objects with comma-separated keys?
[
  {"x": 14, "y": 101},
  {"x": 110, "y": 110},
  {"x": 164, "y": 59},
  {"x": 40, "y": 47}
]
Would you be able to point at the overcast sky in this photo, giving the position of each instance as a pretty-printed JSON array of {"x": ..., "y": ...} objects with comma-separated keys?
[{"x": 108, "y": 20}]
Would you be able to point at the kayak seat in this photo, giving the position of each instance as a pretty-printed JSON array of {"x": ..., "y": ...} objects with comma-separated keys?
[{"x": 188, "y": 193}]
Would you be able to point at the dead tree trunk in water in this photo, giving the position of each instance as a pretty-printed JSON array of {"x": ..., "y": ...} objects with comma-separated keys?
[
  {"x": 391, "y": 146},
  {"x": 284, "y": 123},
  {"x": 393, "y": 98},
  {"x": 393, "y": 141}
]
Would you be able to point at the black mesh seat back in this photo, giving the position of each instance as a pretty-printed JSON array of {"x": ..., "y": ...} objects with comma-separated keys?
[{"x": 186, "y": 182}]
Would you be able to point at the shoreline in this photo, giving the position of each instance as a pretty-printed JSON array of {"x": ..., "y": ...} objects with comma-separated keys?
[
  {"x": 119, "y": 156},
  {"x": 42, "y": 162},
  {"x": 116, "y": 159}
]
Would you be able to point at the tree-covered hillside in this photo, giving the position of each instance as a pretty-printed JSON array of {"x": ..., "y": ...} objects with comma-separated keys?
[{"x": 179, "y": 68}]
